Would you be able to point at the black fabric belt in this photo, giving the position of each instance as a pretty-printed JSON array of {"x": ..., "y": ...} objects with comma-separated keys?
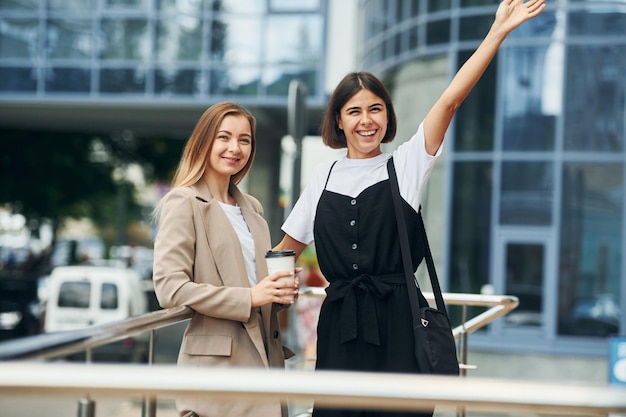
[{"x": 373, "y": 286}]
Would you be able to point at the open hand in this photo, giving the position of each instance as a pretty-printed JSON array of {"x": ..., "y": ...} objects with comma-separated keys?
[{"x": 512, "y": 13}]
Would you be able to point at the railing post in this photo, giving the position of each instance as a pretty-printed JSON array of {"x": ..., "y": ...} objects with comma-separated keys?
[
  {"x": 149, "y": 402},
  {"x": 86, "y": 407},
  {"x": 463, "y": 351}
]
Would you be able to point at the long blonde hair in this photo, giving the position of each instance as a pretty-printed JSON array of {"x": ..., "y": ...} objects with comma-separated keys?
[{"x": 195, "y": 156}]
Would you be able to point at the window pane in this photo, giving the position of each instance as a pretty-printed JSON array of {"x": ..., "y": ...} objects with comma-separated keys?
[
  {"x": 109, "y": 296},
  {"x": 74, "y": 294},
  {"x": 69, "y": 39},
  {"x": 72, "y": 5},
  {"x": 294, "y": 5},
  {"x": 598, "y": 23},
  {"x": 293, "y": 39},
  {"x": 474, "y": 27},
  {"x": 190, "y": 7},
  {"x": 178, "y": 81},
  {"x": 18, "y": 79},
  {"x": 277, "y": 81},
  {"x": 232, "y": 43},
  {"x": 474, "y": 121},
  {"x": 524, "y": 279},
  {"x": 179, "y": 38},
  {"x": 68, "y": 80},
  {"x": 594, "y": 104},
  {"x": 471, "y": 3},
  {"x": 125, "y": 39},
  {"x": 470, "y": 236},
  {"x": 532, "y": 90},
  {"x": 240, "y": 6},
  {"x": 19, "y": 4},
  {"x": 19, "y": 38},
  {"x": 546, "y": 24},
  {"x": 591, "y": 249},
  {"x": 526, "y": 193},
  {"x": 435, "y": 6},
  {"x": 235, "y": 81},
  {"x": 122, "y": 80},
  {"x": 438, "y": 32}
]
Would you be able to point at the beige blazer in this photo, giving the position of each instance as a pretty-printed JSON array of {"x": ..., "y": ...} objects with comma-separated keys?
[{"x": 198, "y": 262}]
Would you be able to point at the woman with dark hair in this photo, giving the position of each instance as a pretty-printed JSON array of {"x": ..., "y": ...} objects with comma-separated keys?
[
  {"x": 209, "y": 254},
  {"x": 365, "y": 322}
]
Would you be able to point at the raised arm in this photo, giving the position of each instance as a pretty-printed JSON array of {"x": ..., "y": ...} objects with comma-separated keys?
[{"x": 510, "y": 14}]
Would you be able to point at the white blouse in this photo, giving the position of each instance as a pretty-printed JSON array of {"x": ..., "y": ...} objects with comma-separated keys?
[{"x": 351, "y": 176}]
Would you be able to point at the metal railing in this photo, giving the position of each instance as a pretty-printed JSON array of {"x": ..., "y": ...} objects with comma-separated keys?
[
  {"x": 336, "y": 389},
  {"x": 343, "y": 389}
]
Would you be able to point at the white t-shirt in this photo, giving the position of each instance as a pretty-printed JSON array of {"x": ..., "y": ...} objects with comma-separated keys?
[
  {"x": 235, "y": 216},
  {"x": 351, "y": 176}
]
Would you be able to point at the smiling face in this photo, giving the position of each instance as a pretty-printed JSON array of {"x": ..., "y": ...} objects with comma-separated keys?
[
  {"x": 231, "y": 147},
  {"x": 363, "y": 120}
]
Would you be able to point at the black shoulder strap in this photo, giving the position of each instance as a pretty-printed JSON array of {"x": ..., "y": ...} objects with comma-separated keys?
[{"x": 406, "y": 254}]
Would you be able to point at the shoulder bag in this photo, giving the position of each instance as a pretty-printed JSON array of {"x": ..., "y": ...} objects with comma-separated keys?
[{"x": 435, "y": 348}]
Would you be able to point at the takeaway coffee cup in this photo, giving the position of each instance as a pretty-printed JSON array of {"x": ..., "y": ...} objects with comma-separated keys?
[{"x": 281, "y": 260}]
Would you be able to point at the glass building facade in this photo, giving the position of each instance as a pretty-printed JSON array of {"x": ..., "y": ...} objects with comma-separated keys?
[
  {"x": 158, "y": 49},
  {"x": 534, "y": 184},
  {"x": 151, "y": 67}
]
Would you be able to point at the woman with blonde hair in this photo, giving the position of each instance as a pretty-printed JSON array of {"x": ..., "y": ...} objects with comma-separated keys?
[{"x": 209, "y": 255}]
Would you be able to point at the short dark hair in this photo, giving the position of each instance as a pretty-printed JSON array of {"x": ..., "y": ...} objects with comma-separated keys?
[{"x": 351, "y": 84}]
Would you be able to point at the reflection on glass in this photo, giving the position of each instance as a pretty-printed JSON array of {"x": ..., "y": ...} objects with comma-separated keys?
[
  {"x": 125, "y": 3},
  {"x": 69, "y": 39},
  {"x": 474, "y": 27},
  {"x": 19, "y": 38},
  {"x": 603, "y": 23},
  {"x": 594, "y": 106},
  {"x": 126, "y": 39},
  {"x": 240, "y": 6},
  {"x": 231, "y": 41},
  {"x": 122, "y": 80},
  {"x": 526, "y": 193},
  {"x": 291, "y": 5},
  {"x": 295, "y": 40},
  {"x": 546, "y": 24},
  {"x": 531, "y": 103},
  {"x": 435, "y": 6},
  {"x": 108, "y": 298},
  {"x": 20, "y": 79},
  {"x": 179, "y": 38},
  {"x": 591, "y": 249},
  {"x": 19, "y": 4},
  {"x": 190, "y": 7},
  {"x": 72, "y": 5},
  {"x": 74, "y": 294},
  {"x": 524, "y": 279},
  {"x": 176, "y": 81},
  {"x": 473, "y": 3},
  {"x": 68, "y": 80},
  {"x": 438, "y": 32},
  {"x": 235, "y": 81},
  {"x": 277, "y": 81},
  {"x": 474, "y": 126},
  {"x": 470, "y": 236}
]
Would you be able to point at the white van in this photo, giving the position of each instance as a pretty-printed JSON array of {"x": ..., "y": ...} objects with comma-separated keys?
[{"x": 84, "y": 296}]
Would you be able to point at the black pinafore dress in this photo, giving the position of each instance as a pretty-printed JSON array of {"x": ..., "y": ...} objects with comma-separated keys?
[{"x": 365, "y": 322}]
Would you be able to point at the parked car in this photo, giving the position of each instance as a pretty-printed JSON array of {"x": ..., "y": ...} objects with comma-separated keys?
[
  {"x": 85, "y": 296},
  {"x": 19, "y": 308}
]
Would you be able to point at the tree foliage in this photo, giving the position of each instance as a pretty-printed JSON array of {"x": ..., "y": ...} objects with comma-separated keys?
[{"x": 56, "y": 175}]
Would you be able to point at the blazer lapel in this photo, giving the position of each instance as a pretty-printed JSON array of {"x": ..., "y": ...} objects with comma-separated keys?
[{"x": 221, "y": 237}]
